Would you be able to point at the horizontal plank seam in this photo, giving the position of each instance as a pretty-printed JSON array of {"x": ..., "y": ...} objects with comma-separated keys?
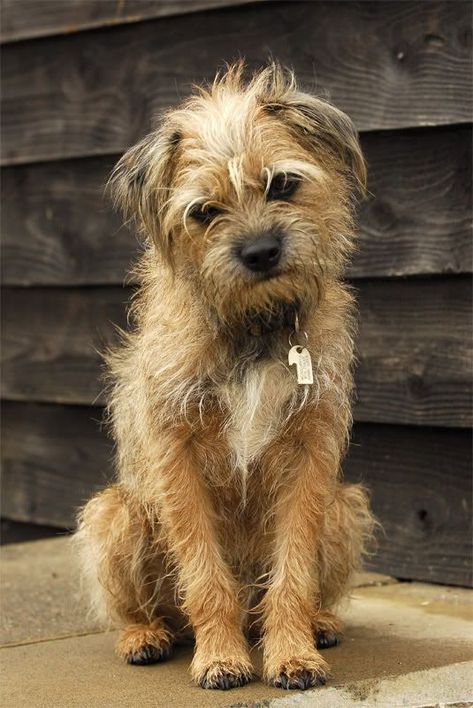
[
  {"x": 107, "y": 153},
  {"x": 119, "y": 22},
  {"x": 128, "y": 285},
  {"x": 456, "y": 425},
  {"x": 437, "y": 127},
  {"x": 6, "y": 164},
  {"x": 95, "y": 411}
]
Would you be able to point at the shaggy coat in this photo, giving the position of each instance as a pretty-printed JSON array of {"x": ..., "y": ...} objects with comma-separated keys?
[{"x": 228, "y": 516}]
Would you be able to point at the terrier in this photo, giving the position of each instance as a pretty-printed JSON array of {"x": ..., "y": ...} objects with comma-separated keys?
[{"x": 230, "y": 397}]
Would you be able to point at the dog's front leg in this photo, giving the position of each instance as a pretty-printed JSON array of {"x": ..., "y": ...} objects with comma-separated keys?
[
  {"x": 209, "y": 591},
  {"x": 292, "y": 600}
]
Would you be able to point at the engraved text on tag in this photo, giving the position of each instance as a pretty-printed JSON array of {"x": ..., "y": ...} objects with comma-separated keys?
[{"x": 300, "y": 356}]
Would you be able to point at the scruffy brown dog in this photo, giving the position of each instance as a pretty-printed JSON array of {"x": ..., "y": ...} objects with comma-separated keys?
[{"x": 228, "y": 512}]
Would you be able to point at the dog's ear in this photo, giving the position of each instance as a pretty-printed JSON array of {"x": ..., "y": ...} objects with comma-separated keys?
[
  {"x": 316, "y": 122},
  {"x": 141, "y": 186}
]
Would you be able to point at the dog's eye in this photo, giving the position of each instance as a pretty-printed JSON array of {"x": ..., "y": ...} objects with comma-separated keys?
[
  {"x": 204, "y": 214},
  {"x": 282, "y": 186}
]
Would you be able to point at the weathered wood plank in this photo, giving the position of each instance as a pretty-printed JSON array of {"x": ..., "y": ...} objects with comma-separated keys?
[
  {"x": 415, "y": 352},
  {"x": 388, "y": 64},
  {"x": 421, "y": 485},
  {"x": 27, "y": 19},
  {"x": 414, "y": 348},
  {"x": 54, "y": 457},
  {"x": 417, "y": 220},
  {"x": 52, "y": 340},
  {"x": 59, "y": 229}
]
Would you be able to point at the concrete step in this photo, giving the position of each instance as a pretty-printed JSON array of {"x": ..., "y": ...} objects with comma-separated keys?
[{"x": 406, "y": 644}]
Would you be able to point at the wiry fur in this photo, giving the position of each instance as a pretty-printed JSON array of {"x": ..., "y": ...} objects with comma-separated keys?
[{"x": 228, "y": 503}]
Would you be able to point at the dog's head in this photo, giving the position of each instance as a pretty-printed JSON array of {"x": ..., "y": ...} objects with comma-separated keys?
[{"x": 247, "y": 191}]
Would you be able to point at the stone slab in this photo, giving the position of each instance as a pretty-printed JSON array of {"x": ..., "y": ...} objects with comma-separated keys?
[
  {"x": 40, "y": 592},
  {"x": 406, "y": 644},
  {"x": 82, "y": 671}
]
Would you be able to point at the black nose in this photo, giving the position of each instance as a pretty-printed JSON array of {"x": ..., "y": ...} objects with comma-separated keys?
[{"x": 261, "y": 254}]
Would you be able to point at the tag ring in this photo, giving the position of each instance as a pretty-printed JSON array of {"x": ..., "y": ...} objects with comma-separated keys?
[{"x": 297, "y": 332}]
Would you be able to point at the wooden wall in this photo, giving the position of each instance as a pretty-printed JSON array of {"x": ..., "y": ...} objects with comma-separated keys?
[{"x": 84, "y": 79}]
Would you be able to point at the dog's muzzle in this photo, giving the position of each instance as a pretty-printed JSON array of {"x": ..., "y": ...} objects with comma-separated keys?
[{"x": 262, "y": 254}]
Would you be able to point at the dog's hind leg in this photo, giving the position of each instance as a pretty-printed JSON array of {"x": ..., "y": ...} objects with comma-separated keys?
[
  {"x": 123, "y": 568},
  {"x": 348, "y": 525}
]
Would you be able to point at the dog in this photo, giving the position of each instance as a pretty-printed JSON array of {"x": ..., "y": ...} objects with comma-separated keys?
[{"x": 230, "y": 396}]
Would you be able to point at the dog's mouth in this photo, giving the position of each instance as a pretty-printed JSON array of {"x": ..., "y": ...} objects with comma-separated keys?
[
  {"x": 271, "y": 275},
  {"x": 277, "y": 273},
  {"x": 281, "y": 316}
]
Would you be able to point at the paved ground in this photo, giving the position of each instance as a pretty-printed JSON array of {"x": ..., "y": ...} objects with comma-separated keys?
[{"x": 406, "y": 644}]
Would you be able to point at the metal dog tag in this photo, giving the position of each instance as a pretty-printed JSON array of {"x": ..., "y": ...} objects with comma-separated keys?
[{"x": 300, "y": 356}]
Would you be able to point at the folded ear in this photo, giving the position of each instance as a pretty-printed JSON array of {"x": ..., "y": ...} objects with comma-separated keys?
[
  {"x": 318, "y": 123},
  {"x": 141, "y": 186}
]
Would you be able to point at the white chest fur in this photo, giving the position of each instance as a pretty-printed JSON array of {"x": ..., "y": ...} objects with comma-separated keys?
[{"x": 258, "y": 407}]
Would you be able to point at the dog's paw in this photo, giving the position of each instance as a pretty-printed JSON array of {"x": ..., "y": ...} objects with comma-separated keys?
[
  {"x": 327, "y": 630},
  {"x": 142, "y": 644},
  {"x": 299, "y": 679},
  {"x": 224, "y": 675},
  {"x": 149, "y": 654},
  {"x": 299, "y": 674},
  {"x": 325, "y": 640}
]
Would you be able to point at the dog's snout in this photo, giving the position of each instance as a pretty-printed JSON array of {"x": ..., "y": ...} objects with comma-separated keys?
[{"x": 262, "y": 254}]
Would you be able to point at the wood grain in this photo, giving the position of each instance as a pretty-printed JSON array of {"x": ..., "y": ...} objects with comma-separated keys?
[
  {"x": 387, "y": 64},
  {"x": 414, "y": 348},
  {"x": 26, "y": 19},
  {"x": 421, "y": 490},
  {"x": 54, "y": 457},
  {"x": 59, "y": 228},
  {"x": 417, "y": 220},
  {"x": 52, "y": 342},
  {"x": 415, "y": 352}
]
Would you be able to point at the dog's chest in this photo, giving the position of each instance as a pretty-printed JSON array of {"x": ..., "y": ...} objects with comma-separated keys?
[{"x": 258, "y": 405}]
